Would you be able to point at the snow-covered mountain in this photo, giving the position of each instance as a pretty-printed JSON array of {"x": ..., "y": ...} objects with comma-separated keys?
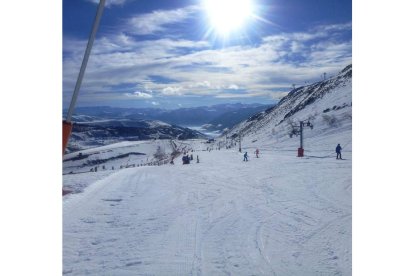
[
  {"x": 191, "y": 116},
  {"x": 229, "y": 119},
  {"x": 98, "y": 132},
  {"x": 327, "y": 105}
]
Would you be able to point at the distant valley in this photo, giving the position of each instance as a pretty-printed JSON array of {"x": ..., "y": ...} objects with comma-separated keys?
[{"x": 102, "y": 125}]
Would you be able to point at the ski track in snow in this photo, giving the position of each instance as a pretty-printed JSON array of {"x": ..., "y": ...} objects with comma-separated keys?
[{"x": 273, "y": 215}]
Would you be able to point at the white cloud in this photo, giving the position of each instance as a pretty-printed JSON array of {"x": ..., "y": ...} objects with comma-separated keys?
[
  {"x": 200, "y": 70},
  {"x": 233, "y": 86},
  {"x": 155, "y": 21},
  {"x": 123, "y": 43},
  {"x": 317, "y": 32},
  {"x": 139, "y": 94},
  {"x": 244, "y": 95},
  {"x": 202, "y": 84},
  {"x": 172, "y": 91},
  {"x": 334, "y": 27},
  {"x": 296, "y": 47}
]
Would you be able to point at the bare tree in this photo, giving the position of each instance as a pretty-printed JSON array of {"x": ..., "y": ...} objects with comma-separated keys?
[{"x": 159, "y": 154}]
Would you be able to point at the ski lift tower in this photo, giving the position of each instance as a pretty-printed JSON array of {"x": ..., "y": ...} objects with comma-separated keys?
[
  {"x": 298, "y": 130},
  {"x": 239, "y": 142}
]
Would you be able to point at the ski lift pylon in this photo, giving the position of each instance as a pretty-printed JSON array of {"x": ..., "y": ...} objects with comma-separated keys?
[{"x": 67, "y": 124}]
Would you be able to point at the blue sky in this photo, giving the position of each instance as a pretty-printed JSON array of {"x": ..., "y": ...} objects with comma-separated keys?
[{"x": 170, "y": 54}]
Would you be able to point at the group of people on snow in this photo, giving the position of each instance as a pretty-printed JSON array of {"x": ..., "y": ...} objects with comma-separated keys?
[
  {"x": 338, "y": 151},
  {"x": 186, "y": 158}
]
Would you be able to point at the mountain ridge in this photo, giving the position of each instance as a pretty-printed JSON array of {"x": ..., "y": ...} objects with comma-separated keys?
[
  {"x": 183, "y": 116},
  {"x": 327, "y": 104}
]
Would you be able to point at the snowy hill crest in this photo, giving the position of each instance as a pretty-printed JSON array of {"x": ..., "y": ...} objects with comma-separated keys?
[{"x": 307, "y": 102}]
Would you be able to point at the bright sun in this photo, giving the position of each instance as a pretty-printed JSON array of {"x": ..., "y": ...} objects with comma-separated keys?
[{"x": 228, "y": 15}]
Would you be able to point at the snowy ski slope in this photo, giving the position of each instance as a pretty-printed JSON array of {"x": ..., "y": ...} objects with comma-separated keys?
[{"x": 273, "y": 215}]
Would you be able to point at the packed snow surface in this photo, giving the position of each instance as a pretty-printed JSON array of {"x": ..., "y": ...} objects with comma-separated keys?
[{"x": 273, "y": 215}]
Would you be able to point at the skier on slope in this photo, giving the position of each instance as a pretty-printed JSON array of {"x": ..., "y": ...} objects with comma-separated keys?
[
  {"x": 185, "y": 159},
  {"x": 257, "y": 153},
  {"x": 245, "y": 156},
  {"x": 338, "y": 152}
]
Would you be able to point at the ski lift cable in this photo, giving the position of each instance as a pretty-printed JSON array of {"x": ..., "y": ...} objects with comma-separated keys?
[{"x": 67, "y": 124}]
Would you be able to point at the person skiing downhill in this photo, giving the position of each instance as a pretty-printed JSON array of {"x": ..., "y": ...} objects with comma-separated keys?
[
  {"x": 338, "y": 152},
  {"x": 245, "y": 156},
  {"x": 257, "y": 153}
]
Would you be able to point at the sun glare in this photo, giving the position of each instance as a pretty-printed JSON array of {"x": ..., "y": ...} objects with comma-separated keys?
[{"x": 227, "y": 15}]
